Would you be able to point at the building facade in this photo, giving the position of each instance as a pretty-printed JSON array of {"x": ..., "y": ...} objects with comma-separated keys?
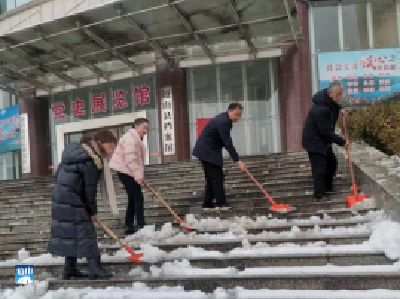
[
  {"x": 72, "y": 67},
  {"x": 356, "y": 42}
]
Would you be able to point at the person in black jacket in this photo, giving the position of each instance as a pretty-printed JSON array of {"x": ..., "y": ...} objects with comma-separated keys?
[
  {"x": 208, "y": 149},
  {"x": 318, "y": 136},
  {"x": 74, "y": 205}
]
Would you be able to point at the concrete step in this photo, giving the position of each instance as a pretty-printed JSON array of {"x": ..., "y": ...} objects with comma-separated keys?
[
  {"x": 116, "y": 225},
  {"x": 121, "y": 268},
  {"x": 352, "y": 281},
  {"x": 109, "y": 246}
]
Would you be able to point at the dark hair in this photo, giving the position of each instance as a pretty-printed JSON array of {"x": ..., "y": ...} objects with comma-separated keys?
[
  {"x": 140, "y": 121},
  {"x": 234, "y": 106},
  {"x": 103, "y": 136}
]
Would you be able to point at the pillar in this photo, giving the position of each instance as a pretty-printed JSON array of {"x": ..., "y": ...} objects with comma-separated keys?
[
  {"x": 175, "y": 78},
  {"x": 37, "y": 110},
  {"x": 294, "y": 83}
]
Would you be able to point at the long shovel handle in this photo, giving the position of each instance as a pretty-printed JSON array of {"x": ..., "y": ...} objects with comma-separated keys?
[
  {"x": 110, "y": 232},
  {"x": 162, "y": 201},
  {"x": 353, "y": 181},
  {"x": 261, "y": 188}
]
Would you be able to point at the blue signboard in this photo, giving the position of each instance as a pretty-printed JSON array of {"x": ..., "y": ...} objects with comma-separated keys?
[
  {"x": 370, "y": 75},
  {"x": 10, "y": 136}
]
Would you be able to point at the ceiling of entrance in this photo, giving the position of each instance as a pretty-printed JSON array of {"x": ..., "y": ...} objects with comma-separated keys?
[{"x": 130, "y": 36}]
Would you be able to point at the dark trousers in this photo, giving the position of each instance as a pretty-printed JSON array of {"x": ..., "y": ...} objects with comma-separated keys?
[
  {"x": 214, "y": 184},
  {"x": 135, "y": 201},
  {"x": 323, "y": 169}
]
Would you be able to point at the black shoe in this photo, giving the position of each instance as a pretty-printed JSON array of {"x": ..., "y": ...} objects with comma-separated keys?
[
  {"x": 129, "y": 231},
  {"x": 223, "y": 207},
  {"x": 326, "y": 198},
  {"x": 317, "y": 199},
  {"x": 96, "y": 270},
  {"x": 208, "y": 207},
  {"x": 70, "y": 269}
]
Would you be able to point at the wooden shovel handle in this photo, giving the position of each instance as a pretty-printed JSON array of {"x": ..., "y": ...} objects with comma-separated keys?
[
  {"x": 110, "y": 232},
  {"x": 162, "y": 201}
]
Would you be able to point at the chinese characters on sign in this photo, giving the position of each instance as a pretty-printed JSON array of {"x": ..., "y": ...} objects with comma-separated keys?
[
  {"x": 58, "y": 109},
  {"x": 10, "y": 137},
  {"x": 25, "y": 146},
  {"x": 119, "y": 99},
  {"x": 78, "y": 107},
  {"x": 141, "y": 95},
  {"x": 98, "y": 102},
  {"x": 365, "y": 75},
  {"x": 167, "y": 124}
]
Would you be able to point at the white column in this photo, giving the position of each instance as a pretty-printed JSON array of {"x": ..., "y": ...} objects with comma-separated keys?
[
  {"x": 370, "y": 25},
  {"x": 314, "y": 71},
  {"x": 193, "y": 110},
  {"x": 247, "y": 125},
  {"x": 340, "y": 24},
  {"x": 3, "y": 161},
  {"x": 275, "y": 121},
  {"x": 398, "y": 20}
]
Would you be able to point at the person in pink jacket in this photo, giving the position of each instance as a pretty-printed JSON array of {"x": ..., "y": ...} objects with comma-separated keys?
[{"x": 129, "y": 160}]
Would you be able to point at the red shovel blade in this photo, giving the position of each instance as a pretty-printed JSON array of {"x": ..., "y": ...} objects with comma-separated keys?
[
  {"x": 135, "y": 257},
  {"x": 352, "y": 199},
  {"x": 282, "y": 208}
]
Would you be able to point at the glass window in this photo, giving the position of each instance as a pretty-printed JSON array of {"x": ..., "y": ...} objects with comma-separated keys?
[
  {"x": 355, "y": 26},
  {"x": 21, "y": 2},
  {"x": 202, "y": 95},
  {"x": 326, "y": 28},
  {"x": 385, "y": 24},
  {"x": 231, "y": 75},
  {"x": 259, "y": 112},
  {"x": 10, "y": 165}
]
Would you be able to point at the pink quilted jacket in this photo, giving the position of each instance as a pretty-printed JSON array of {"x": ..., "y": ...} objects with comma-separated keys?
[{"x": 129, "y": 156}]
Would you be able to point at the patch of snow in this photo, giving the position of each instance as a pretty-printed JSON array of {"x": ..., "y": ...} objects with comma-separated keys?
[
  {"x": 241, "y": 293},
  {"x": 320, "y": 270},
  {"x": 385, "y": 237},
  {"x": 138, "y": 290},
  {"x": 367, "y": 203}
]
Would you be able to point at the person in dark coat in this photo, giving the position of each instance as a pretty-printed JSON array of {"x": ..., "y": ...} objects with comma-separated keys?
[
  {"x": 318, "y": 136},
  {"x": 208, "y": 149},
  {"x": 74, "y": 205}
]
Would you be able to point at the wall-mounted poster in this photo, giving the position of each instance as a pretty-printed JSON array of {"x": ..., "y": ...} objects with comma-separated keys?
[
  {"x": 167, "y": 122},
  {"x": 10, "y": 135},
  {"x": 370, "y": 75}
]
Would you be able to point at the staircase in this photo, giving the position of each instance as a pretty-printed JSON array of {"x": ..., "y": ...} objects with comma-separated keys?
[{"x": 249, "y": 247}]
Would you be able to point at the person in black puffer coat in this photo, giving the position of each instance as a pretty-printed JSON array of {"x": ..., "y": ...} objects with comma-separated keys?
[
  {"x": 74, "y": 205},
  {"x": 318, "y": 136}
]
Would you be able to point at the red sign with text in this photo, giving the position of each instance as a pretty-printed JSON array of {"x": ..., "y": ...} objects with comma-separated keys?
[{"x": 140, "y": 94}]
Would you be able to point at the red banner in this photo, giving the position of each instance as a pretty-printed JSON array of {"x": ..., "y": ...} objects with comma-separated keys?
[{"x": 200, "y": 124}]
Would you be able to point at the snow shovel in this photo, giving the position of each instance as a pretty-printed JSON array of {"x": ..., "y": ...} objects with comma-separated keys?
[
  {"x": 179, "y": 219},
  {"x": 274, "y": 206},
  {"x": 135, "y": 257},
  {"x": 352, "y": 199}
]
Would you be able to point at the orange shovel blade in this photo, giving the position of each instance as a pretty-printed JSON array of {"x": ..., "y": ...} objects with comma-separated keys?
[
  {"x": 282, "y": 208},
  {"x": 352, "y": 199},
  {"x": 134, "y": 256}
]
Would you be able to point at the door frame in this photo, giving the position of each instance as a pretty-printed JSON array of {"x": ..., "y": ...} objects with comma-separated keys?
[{"x": 98, "y": 123}]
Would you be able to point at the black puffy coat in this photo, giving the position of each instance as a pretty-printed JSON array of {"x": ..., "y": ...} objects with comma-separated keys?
[
  {"x": 215, "y": 136},
  {"x": 74, "y": 200},
  {"x": 319, "y": 127}
]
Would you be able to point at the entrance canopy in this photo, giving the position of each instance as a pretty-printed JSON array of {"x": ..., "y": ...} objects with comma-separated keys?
[{"x": 129, "y": 36}]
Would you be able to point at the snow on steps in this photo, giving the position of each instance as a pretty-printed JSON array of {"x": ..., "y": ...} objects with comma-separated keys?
[
  {"x": 256, "y": 271},
  {"x": 141, "y": 291}
]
